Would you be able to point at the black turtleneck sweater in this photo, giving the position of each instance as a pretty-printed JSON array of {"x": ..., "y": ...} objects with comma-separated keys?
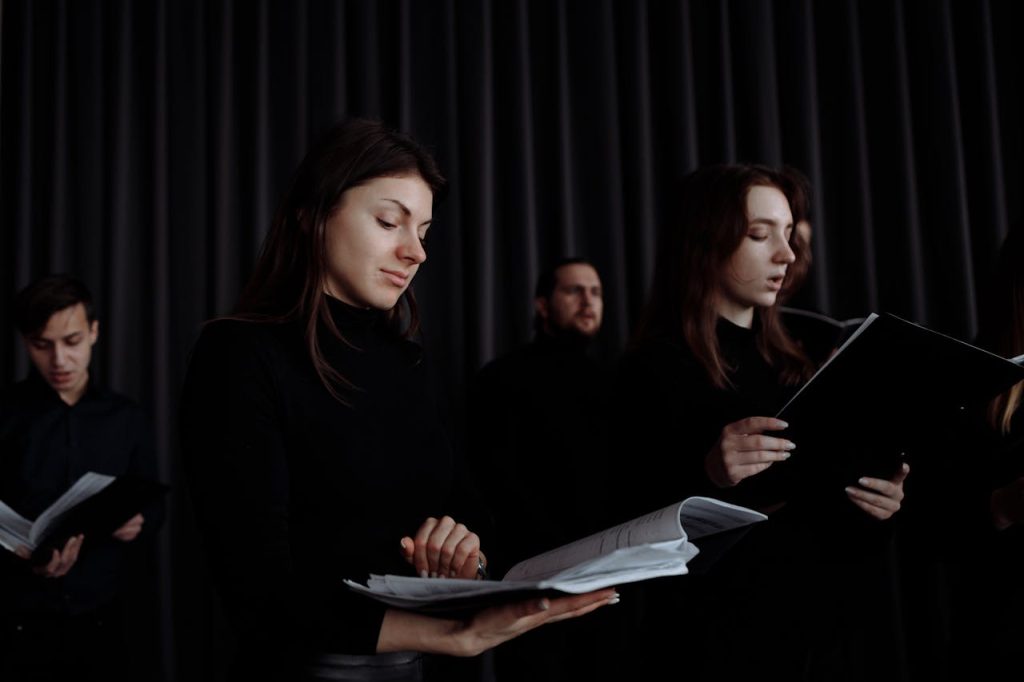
[
  {"x": 805, "y": 595},
  {"x": 294, "y": 490},
  {"x": 664, "y": 396}
]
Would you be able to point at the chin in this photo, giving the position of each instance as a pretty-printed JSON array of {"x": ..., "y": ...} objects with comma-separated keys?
[{"x": 384, "y": 303}]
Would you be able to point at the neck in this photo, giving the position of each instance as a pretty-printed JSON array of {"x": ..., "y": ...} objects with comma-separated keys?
[
  {"x": 564, "y": 338},
  {"x": 741, "y": 316}
]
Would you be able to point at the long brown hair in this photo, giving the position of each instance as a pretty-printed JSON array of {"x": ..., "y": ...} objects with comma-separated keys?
[
  {"x": 1001, "y": 324},
  {"x": 287, "y": 283},
  {"x": 704, "y": 230},
  {"x": 800, "y": 205}
]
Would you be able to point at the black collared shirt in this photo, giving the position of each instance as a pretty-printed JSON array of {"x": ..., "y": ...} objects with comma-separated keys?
[{"x": 45, "y": 446}]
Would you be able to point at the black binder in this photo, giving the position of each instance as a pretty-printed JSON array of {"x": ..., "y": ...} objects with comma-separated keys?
[{"x": 882, "y": 398}]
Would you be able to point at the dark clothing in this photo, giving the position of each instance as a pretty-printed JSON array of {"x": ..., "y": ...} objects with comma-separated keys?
[
  {"x": 988, "y": 564},
  {"x": 52, "y": 648},
  {"x": 539, "y": 447},
  {"x": 295, "y": 491},
  {"x": 789, "y": 600},
  {"x": 45, "y": 446},
  {"x": 665, "y": 396}
]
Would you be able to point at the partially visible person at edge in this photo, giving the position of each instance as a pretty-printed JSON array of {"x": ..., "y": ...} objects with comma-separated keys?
[
  {"x": 709, "y": 362},
  {"x": 540, "y": 413},
  {"x": 311, "y": 441},
  {"x": 62, "y": 613},
  {"x": 987, "y": 625}
]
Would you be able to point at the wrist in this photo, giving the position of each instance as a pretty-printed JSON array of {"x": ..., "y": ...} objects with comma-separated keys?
[
  {"x": 463, "y": 640},
  {"x": 713, "y": 471},
  {"x": 406, "y": 631}
]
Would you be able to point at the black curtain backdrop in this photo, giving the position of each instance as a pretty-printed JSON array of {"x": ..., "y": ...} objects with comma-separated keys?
[{"x": 144, "y": 146}]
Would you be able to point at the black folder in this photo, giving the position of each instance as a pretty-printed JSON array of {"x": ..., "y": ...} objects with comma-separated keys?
[
  {"x": 104, "y": 512},
  {"x": 883, "y": 398},
  {"x": 817, "y": 334},
  {"x": 100, "y": 514}
]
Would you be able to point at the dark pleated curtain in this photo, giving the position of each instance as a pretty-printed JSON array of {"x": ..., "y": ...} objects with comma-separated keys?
[{"x": 144, "y": 146}]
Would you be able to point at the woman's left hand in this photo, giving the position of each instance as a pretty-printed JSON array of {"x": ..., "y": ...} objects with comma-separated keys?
[
  {"x": 879, "y": 497},
  {"x": 443, "y": 548}
]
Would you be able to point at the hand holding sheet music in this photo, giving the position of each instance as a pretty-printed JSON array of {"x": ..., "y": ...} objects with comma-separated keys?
[
  {"x": 95, "y": 503},
  {"x": 870, "y": 405},
  {"x": 654, "y": 545}
]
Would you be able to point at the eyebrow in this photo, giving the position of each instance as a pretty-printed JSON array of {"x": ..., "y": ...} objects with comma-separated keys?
[
  {"x": 43, "y": 339},
  {"x": 769, "y": 221},
  {"x": 405, "y": 209}
]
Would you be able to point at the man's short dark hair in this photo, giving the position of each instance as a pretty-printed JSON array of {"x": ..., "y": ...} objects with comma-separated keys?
[
  {"x": 547, "y": 280},
  {"x": 34, "y": 304}
]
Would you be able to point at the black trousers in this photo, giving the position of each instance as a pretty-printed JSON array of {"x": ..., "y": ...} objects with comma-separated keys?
[{"x": 38, "y": 647}]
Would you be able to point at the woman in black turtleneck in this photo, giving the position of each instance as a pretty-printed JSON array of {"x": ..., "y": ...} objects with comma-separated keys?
[
  {"x": 312, "y": 445},
  {"x": 709, "y": 362}
]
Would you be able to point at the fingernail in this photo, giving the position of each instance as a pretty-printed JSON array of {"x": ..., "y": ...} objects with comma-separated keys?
[
  {"x": 433, "y": 574},
  {"x": 614, "y": 600},
  {"x": 423, "y": 573},
  {"x": 452, "y": 573},
  {"x": 786, "y": 455},
  {"x": 544, "y": 605},
  {"x": 790, "y": 445},
  {"x": 849, "y": 489},
  {"x": 402, "y": 542},
  {"x": 862, "y": 481},
  {"x": 782, "y": 424}
]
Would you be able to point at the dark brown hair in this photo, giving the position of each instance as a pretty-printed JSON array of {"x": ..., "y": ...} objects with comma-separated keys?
[
  {"x": 706, "y": 227},
  {"x": 800, "y": 205},
  {"x": 548, "y": 279},
  {"x": 1001, "y": 324},
  {"x": 287, "y": 283},
  {"x": 36, "y": 303}
]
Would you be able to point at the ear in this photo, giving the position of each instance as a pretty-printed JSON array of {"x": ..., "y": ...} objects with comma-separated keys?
[
  {"x": 94, "y": 331},
  {"x": 540, "y": 306}
]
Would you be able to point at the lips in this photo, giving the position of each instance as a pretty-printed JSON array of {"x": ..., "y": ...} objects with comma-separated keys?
[
  {"x": 397, "y": 278},
  {"x": 60, "y": 377}
]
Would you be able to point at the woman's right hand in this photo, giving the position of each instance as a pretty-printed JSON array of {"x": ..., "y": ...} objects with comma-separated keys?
[
  {"x": 407, "y": 631},
  {"x": 742, "y": 450}
]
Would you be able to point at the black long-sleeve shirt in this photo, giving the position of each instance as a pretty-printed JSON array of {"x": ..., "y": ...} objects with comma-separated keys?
[
  {"x": 806, "y": 593},
  {"x": 295, "y": 491},
  {"x": 670, "y": 416},
  {"x": 539, "y": 447},
  {"x": 45, "y": 446}
]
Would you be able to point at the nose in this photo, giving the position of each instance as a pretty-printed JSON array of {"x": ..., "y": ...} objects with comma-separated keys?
[
  {"x": 411, "y": 249},
  {"x": 784, "y": 253},
  {"x": 59, "y": 355}
]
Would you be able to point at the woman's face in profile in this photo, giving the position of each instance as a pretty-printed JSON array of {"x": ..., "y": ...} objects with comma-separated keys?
[
  {"x": 375, "y": 240},
  {"x": 757, "y": 268}
]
